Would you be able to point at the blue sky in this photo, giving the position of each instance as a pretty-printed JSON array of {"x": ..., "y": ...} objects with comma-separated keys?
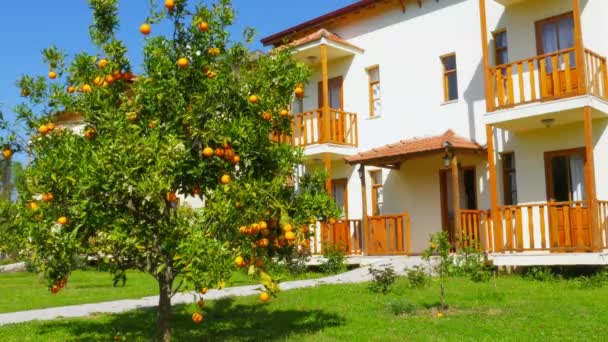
[{"x": 28, "y": 26}]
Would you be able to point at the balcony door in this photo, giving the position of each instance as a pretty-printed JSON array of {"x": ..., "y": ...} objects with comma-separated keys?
[
  {"x": 339, "y": 192},
  {"x": 468, "y": 197},
  {"x": 336, "y": 104},
  {"x": 552, "y": 35},
  {"x": 566, "y": 192}
]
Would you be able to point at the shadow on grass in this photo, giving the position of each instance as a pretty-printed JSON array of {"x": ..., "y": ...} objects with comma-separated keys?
[{"x": 223, "y": 321}]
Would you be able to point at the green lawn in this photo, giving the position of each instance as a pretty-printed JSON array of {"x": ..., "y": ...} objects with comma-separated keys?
[
  {"x": 25, "y": 291},
  {"x": 518, "y": 310}
]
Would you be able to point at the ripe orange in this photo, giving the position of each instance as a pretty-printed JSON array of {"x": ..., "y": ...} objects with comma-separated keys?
[
  {"x": 98, "y": 81},
  {"x": 171, "y": 197},
  {"x": 284, "y": 112},
  {"x": 204, "y": 290},
  {"x": 299, "y": 91},
  {"x": 197, "y": 317},
  {"x": 62, "y": 220},
  {"x": 219, "y": 152},
  {"x": 236, "y": 159},
  {"x": 170, "y": 4},
  {"x": 259, "y": 263},
  {"x": 253, "y": 99},
  {"x": 43, "y": 129},
  {"x": 52, "y": 75},
  {"x": 203, "y": 26},
  {"x": 25, "y": 92},
  {"x": 267, "y": 116},
  {"x": 50, "y": 126},
  {"x": 213, "y": 51},
  {"x": 225, "y": 179},
  {"x": 48, "y": 197},
  {"x": 201, "y": 303},
  {"x": 229, "y": 153},
  {"x": 7, "y": 153},
  {"x": 264, "y": 297},
  {"x": 152, "y": 124},
  {"x": 89, "y": 133},
  {"x": 86, "y": 88},
  {"x": 243, "y": 230},
  {"x": 145, "y": 29},
  {"x": 208, "y": 152},
  {"x": 211, "y": 74},
  {"x": 239, "y": 261},
  {"x": 263, "y": 243},
  {"x": 54, "y": 289},
  {"x": 109, "y": 79},
  {"x": 287, "y": 228},
  {"x": 102, "y": 63},
  {"x": 71, "y": 89},
  {"x": 182, "y": 62},
  {"x": 33, "y": 205},
  {"x": 263, "y": 225},
  {"x": 289, "y": 236}
]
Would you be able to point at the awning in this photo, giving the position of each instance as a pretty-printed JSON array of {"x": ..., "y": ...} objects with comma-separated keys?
[{"x": 393, "y": 154}]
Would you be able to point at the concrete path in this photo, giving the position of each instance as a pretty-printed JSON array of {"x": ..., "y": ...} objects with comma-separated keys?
[{"x": 355, "y": 276}]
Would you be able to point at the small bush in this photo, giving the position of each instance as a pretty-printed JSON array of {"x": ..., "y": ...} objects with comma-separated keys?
[
  {"x": 402, "y": 307},
  {"x": 593, "y": 281},
  {"x": 417, "y": 277},
  {"x": 334, "y": 259},
  {"x": 470, "y": 263},
  {"x": 296, "y": 263},
  {"x": 540, "y": 274},
  {"x": 382, "y": 279}
]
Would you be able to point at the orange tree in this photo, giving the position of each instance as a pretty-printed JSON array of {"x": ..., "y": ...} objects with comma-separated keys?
[{"x": 196, "y": 121}]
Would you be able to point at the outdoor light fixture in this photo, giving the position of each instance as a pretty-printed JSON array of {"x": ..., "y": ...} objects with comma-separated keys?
[
  {"x": 448, "y": 155},
  {"x": 548, "y": 122},
  {"x": 361, "y": 172}
]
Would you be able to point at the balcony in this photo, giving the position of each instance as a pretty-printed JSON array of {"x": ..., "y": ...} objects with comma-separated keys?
[
  {"x": 547, "y": 77},
  {"x": 313, "y": 128}
]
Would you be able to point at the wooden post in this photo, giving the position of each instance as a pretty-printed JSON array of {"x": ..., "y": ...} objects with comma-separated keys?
[
  {"x": 496, "y": 221},
  {"x": 579, "y": 50},
  {"x": 486, "y": 57},
  {"x": 327, "y": 158},
  {"x": 596, "y": 238},
  {"x": 365, "y": 230},
  {"x": 325, "y": 96},
  {"x": 456, "y": 199}
]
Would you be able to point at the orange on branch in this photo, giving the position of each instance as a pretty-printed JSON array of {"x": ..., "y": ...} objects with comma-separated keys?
[
  {"x": 284, "y": 112},
  {"x": 197, "y": 317},
  {"x": 7, "y": 153},
  {"x": 207, "y": 152},
  {"x": 171, "y": 197},
  {"x": 203, "y": 26},
  {"x": 48, "y": 197},
  {"x": 52, "y": 75},
  {"x": 63, "y": 220},
  {"x": 264, "y": 297},
  {"x": 287, "y": 228},
  {"x": 239, "y": 261},
  {"x": 290, "y": 236},
  {"x": 267, "y": 116},
  {"x": 201, "y": 303},
  {"x": 54, "y": 289},
  {"x": 299, "y": 91},
  {"x": 170, "y": 4},
  {"x": 102, "y": 63},
  {"x": 71, "y": 89},
  {"x": 225, "y": 179},
  {"x": 145, "y": 29},
  {"x": 89, "y": 133},
  {"x": 86, "y": 88},
  {"x": 43, "y": 129},
  {"x": 219, "y": 152},
  {"x": 183, "y": 62},
  {"x": 253, "y": 99}
]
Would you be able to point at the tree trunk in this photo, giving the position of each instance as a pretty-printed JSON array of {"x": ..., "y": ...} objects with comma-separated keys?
[{"x": 165, "y": 283}]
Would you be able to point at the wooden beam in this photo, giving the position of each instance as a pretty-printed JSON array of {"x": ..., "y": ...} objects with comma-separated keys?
[
  {"x": 325, "y": 90},
  {"x": 579, "y": 50},
  {"x": 596, "y": 238},
  {"x": 365, "y": 227},
  {"x": 485, "y": 57},
  {"x": 497, "y": 222},
  {"x": 456, "y": 199}
]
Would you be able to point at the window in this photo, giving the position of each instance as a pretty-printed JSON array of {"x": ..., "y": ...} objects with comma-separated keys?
[
  {"x": 450, "y": 79},
  {"x": 501, "y": 52},
  {"x": 555, "y": 34},
  {"x": 375, "y": 104},
  {"x": 565, "y": 171},
  {"x": 509, "y": 184},
  {"x": 377, "y": 199}
]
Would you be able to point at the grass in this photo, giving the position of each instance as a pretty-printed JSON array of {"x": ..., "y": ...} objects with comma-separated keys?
[
  {"x": 26, "y": 291},
  {"x": 517, "y": 310}
]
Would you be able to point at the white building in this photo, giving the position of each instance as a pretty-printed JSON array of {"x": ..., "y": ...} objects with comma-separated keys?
[{"x": 507, "y": 96}]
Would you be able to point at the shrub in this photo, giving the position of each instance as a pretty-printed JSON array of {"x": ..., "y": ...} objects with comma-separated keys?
[
  {"x": 470, "y": 263},
  {"x": 334, "y": 259},
  {"x": 540, "y": 274},
  {"x": 417, "y": 277},
  {"x": 297, "y": 262},
  {"x": 382, "y": 279},
  {"x": 592, "y": 281},
  {"x": 402, "y": 307}
]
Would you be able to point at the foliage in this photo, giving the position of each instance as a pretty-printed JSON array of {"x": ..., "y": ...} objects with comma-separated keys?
[
  {"x": 439, "y": 251},
  {"x": 417, "y": 277},
  {"x": 470, "y": 262},
  {"x": 335, "y": 261},
  {"x": 145, "y": 139},
  {"x": 382, "y": 279},
  {"x": 402, "y": 307},
  {"x": 539, "y": 273}
]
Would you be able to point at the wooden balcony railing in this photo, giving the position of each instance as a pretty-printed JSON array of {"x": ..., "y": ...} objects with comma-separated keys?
[
  {"x": 603, "y": 222},
  {"x": 475, "y": 230},
  {"x": 347, "y": 234},
  {"x": 388, "y": 235},
  {"x": 546, "y": 77},
  {"x": 310, "y": 128}
]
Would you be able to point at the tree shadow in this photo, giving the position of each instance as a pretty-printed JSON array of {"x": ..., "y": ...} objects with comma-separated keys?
[{"x": 223, "y": 321}]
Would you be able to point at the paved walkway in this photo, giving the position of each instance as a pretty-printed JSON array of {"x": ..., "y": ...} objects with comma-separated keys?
[{"x": 355, "y": 276}]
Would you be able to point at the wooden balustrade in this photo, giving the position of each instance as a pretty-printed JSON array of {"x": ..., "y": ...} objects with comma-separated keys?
[
  {"x": 603, "y": 222},
  {"x": 475, "y": 230},
  {"x": 347, "y": 234},
  {"x": 546, "y": 77},
  {"x": 308, "y": 128},
  {"x": 388, "y": 235}
]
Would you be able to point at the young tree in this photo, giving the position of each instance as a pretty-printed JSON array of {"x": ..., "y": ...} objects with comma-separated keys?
[{"x": 196, "y": 121}]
